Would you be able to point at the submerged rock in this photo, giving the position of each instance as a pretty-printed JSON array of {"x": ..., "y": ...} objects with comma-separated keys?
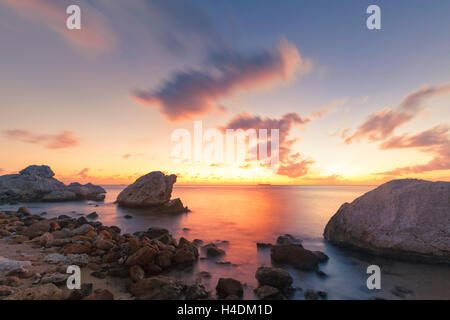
[
  {"x": 406, "y": 218},
  {"x": 37, "y": 183}
]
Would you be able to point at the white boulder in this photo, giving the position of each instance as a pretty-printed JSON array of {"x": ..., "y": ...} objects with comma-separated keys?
[{"x": 406, "y": 218}]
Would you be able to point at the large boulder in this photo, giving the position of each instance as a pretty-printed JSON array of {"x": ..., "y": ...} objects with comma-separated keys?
[
  {"x": 153, "y": 189},
  {"x": 37, "y": 183},
  {"x": 294, "y": 255},
  {"x": 406, "y": 218},
  {"x": 274, "y": 277}
]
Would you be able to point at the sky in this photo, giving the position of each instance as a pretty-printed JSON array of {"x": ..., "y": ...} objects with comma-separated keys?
[{"x": 100, "y": 104}]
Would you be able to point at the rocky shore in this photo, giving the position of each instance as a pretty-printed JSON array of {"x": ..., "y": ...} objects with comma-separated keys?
[
  {"x": 37, "y": 184},
  {"x": 35, "y": 253}
]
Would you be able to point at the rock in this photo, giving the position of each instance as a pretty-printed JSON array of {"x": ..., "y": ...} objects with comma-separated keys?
[
  {"x": 311, "y": 295},
  {"x": 227, "y": 287},
  {"x": 153, "y": 189},
  {"x": 42, "y": 292},
  {"x": 76, "y": 248},
  {"x": 6, "y": 290},
  {"x": 164, "y": 259},
  {"x": 87, "y": 191},
  {"x": 57, "y": 242},
  {"x": 186, "y": 253},
  {"x": 24, "y": 211},
  {"x": 78, "y": 294},
  {"x": 158, "y": 288},
  {"x": 104, "y": 244},
  {"x": 262, "y": 245},
  {"x": 196, "y": 291},
  {"x": 213, "y": 251},
  {"x": 38, "y": 228},
  {"x": 98, "y": 274},
  {"x": 142, "y": 257},
  {"x": 288, "y": 239},
  {"x": 321, "y": 256},
  {"x": 268, "y": 293},
  {"x": 128, "y": 216},
  {"x": 136, "y": 273},
  {"x": 274, "y": 277},
  {"x": 100, "y": 294},
  {"x": 405, "y": 218},
  {"x": 92, "y": 215},
  {"x": 111, "y": 257},
  {"x": 401, "y": 292},
  {"x": 118, "y": 272},
  {"x": 152, "y": 269},
  {"x": 8, "y": 264},
  {"x": 173, "y": 206},
  {"x": 82, "y": 230},
  {"x": 294, "y": 255},
  {"x": 56, "y": 278},
  {"x": 11, "y": 281},
  {"x": 37, "y": 183}
]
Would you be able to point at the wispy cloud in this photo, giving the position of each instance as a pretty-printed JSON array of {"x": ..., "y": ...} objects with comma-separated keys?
[
  {"x": 382, "y": 124},
  {"x": 192, "y": 93},
  {"x": 83, "y": 174},
  {"x": 64, "y": 139},
  {"x": 435, "y": 141},
  {"x": 94, "y": 34}
]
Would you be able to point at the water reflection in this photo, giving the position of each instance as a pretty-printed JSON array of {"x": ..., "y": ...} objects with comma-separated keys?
[{"x": 245, "y": 215}]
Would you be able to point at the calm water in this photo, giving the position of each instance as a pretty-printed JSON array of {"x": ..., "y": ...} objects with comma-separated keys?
[{"x": 244, "y": 215}]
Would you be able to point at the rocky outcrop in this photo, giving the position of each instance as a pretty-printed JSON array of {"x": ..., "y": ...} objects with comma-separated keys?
[
  {"x": 152, "y": 191},
  {"x": 406, "y": 218},
  {"x": 37, "y": 183}
]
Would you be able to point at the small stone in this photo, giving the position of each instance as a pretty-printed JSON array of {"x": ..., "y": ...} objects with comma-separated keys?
[
  {"x": 100, "y": 295},
  {"x": 92, "y": 215},
  {"x": 136, "y": 273},
  {"x": 228, "y": 286}
]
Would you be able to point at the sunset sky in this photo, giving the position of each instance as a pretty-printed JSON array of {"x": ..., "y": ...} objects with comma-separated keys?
[{"x": 354, "y": 106}]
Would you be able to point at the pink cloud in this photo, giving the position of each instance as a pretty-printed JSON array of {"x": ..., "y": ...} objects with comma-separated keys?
[
  {"x": 193, "y": 93},
  {"x": 94, "y": 34},
  {"x": 382, "y": 124},
  {"x": 435, "y": 141},
  {"x": 292, "y": 164},
  {"x": 64, "y": 139}
]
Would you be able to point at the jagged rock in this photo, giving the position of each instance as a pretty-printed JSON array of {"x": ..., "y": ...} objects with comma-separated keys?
[
  {"x": 37, "y": 183},
  {"x": 186, "y": 253},
  {"x": 405, "y": 218},
  {"x": 212, "y": 251},
  {"x": 153, "y": 189},
  {"x": 288, "y": 239}
]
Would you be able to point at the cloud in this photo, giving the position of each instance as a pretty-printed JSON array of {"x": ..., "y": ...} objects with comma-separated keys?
[
  {"x": 94, "y": 34},
  {"x": 192, "y": 93},
  {"x": 292, "y": 164},
  {"x": 2, "y": 170},
  {"x": 64, "y": 139},
  {"x": 382, "y": 124},
  {"x": 435, "y": 141},
  {"x": 83, "y": 174},
  {"x": 126, "y": 156}
]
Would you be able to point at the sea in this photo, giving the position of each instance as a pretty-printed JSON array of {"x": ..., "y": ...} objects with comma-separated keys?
[{"x": 238, "y": 217}]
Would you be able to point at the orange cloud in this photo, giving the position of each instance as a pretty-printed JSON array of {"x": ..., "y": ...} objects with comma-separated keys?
[
  {"x": 193, "y": 93},
  {"x": 64, "y": 139}
]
